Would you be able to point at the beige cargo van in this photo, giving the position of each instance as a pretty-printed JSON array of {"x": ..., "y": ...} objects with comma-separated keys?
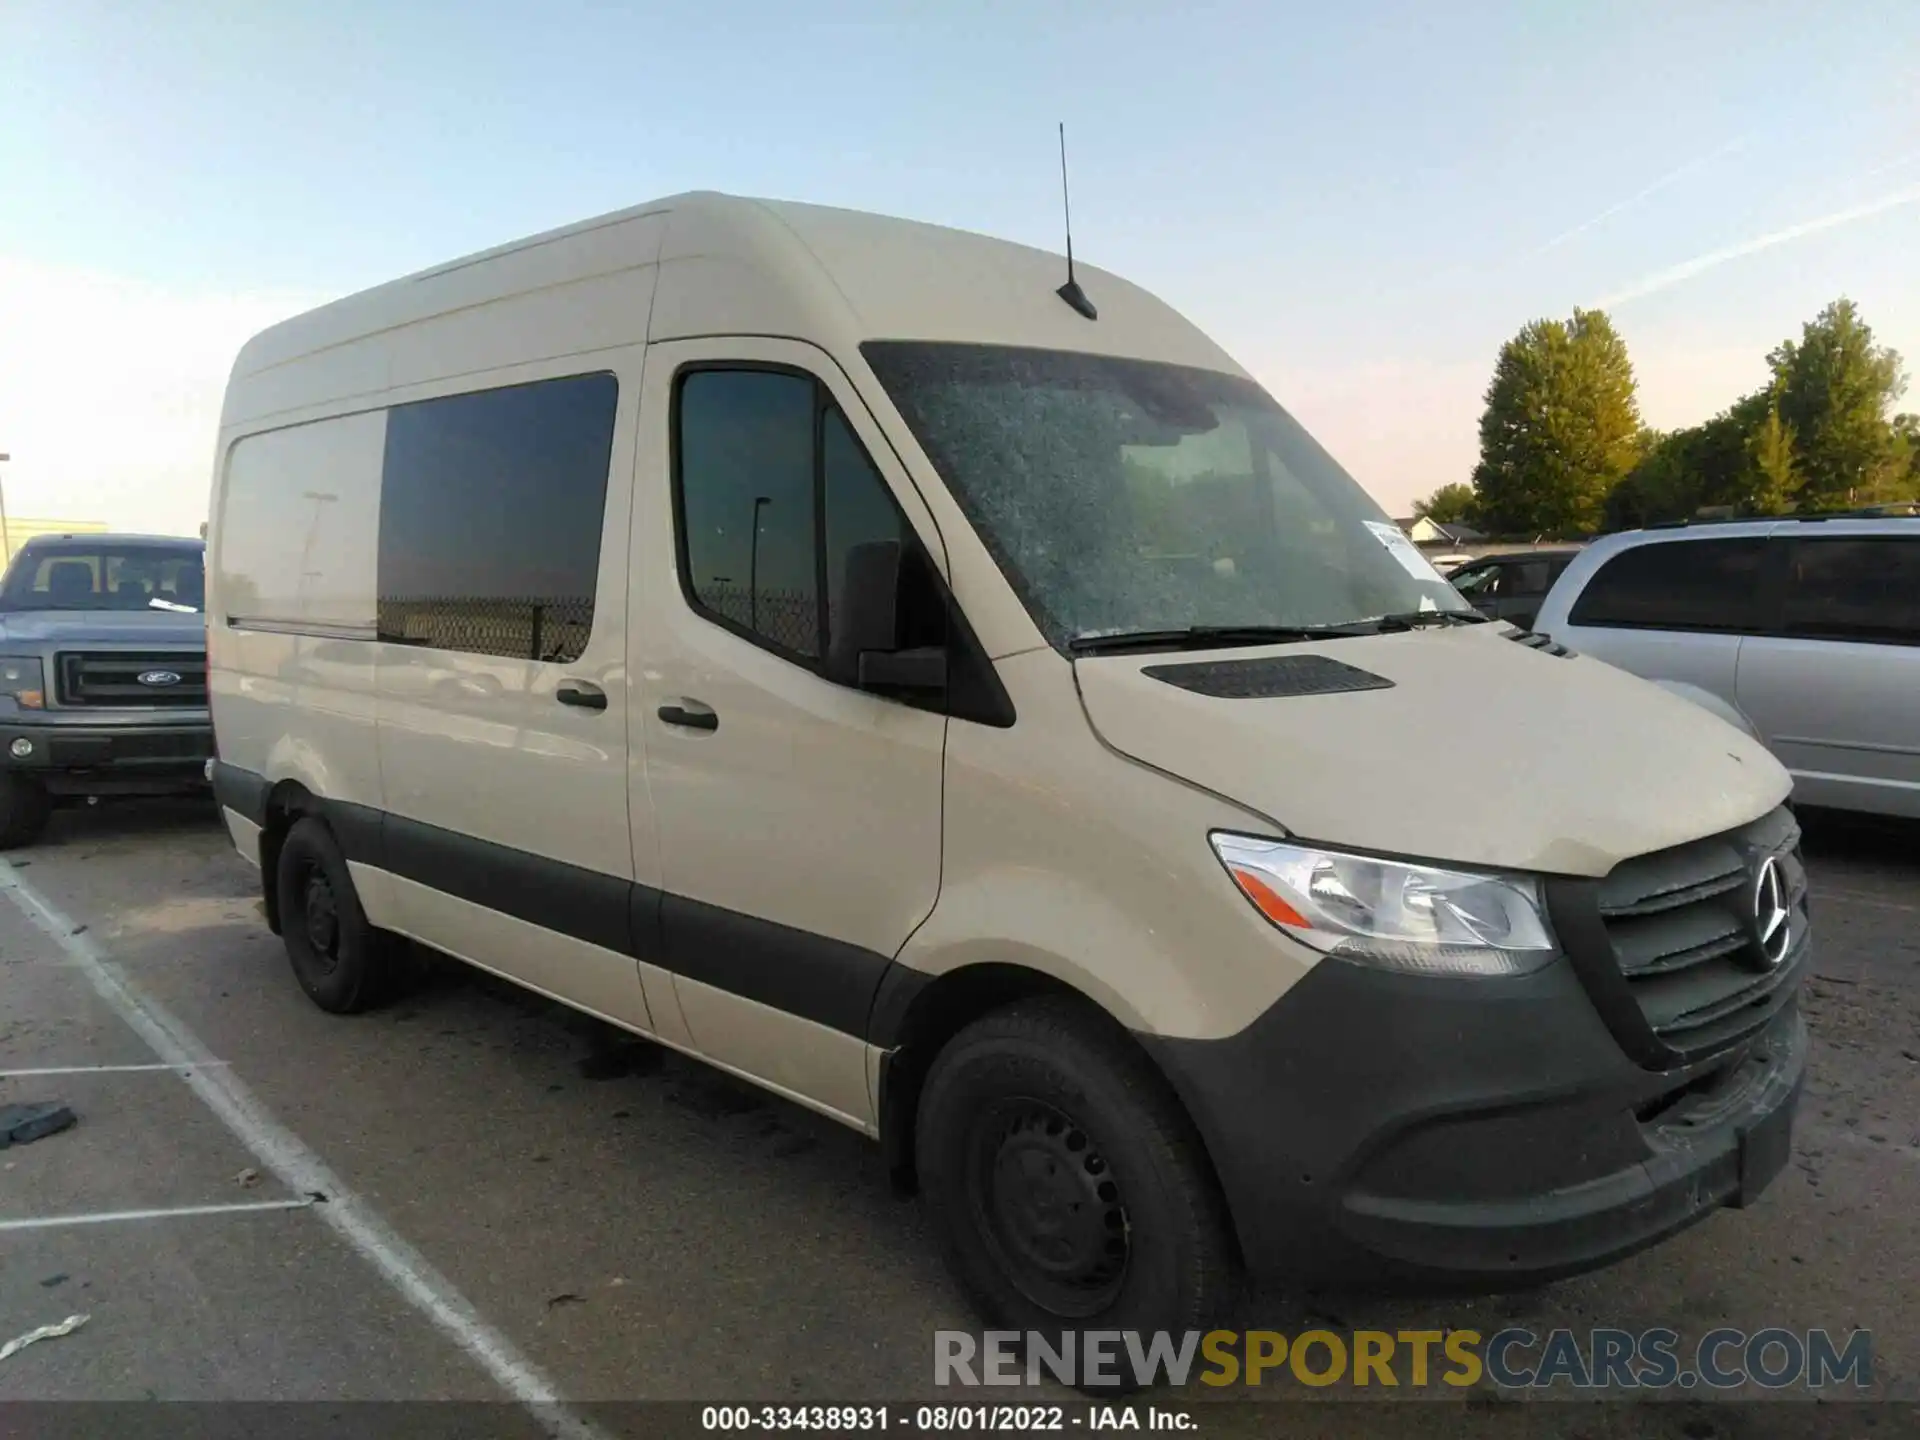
[{"x": 987, "y": 718}]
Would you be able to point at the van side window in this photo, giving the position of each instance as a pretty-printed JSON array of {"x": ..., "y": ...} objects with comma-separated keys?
[
  {"x": 1855, "y": 588},
  {"x": 1677, "y": 585},
  {"x": 744, "y": 482},
  {"x": 772, "y": 488},
  {"x": 491, "y": 507}
]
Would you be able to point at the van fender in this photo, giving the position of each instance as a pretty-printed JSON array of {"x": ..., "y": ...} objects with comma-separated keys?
[
  {"x": 1149, "y": 980},
  {"x": 1718, "y": 705}
]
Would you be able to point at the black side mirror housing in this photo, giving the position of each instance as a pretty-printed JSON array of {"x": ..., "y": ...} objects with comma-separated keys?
[
  {"x": 922, "y": 669},
  {"x": 865, "y": 649}
]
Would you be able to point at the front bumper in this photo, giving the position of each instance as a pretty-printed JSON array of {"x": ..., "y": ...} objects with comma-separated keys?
[
  {"x": 1405, "y": 1132},
  {"x": 94, "y": 759}
]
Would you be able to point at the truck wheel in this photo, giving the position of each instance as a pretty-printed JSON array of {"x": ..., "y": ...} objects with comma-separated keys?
[
  {"x": 342, "y": 962},
  {"x": 23, "y": 810},
  {"x": 1065, "y": 1182}
]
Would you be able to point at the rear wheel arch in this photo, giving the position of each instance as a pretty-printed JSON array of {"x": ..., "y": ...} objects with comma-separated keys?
[{"x": 287, "y": 802}]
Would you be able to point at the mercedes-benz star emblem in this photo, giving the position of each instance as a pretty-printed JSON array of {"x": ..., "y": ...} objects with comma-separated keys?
[{"x": 1771, "y": 931}]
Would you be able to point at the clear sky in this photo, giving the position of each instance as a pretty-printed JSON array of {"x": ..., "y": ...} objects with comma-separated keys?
[{"x": 1360, "y": 201}]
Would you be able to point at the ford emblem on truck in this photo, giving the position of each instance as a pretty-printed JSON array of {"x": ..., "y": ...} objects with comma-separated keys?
[{"x": 157, "y": 678}]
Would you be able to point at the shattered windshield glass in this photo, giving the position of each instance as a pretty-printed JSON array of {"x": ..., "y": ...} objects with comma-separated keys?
[{"x": 1123, "y": 496}]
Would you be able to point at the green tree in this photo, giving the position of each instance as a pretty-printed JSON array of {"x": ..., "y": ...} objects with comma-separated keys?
[
  {"x": 1776, "y": 470},
  {"x": 1561, "y": 427},
  {"x": 1449, "y": 505},
  {"x": 1836, "y": 390},
  {"x": 1906, "y": 429}
]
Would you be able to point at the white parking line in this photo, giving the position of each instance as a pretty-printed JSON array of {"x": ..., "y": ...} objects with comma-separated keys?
[
  {"x": 105, "y": 1069},
  {"x": 117, "y": 1217},
  {"x": 287, "y": 1157}
]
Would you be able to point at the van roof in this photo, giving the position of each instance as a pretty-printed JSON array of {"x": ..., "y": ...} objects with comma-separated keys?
[{"x": 752, "y": 266}]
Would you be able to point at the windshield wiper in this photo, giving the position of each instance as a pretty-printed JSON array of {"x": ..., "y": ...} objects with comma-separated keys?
[
  {"x": 1416, "y": 619},
  {"x": 1207, "y": 637}
]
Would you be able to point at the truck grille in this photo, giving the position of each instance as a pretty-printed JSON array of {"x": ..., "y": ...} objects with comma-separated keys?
[
  {"x": 83, "y": 752},
  {"x": 112, "y": 679},
  {"x": 1677, "y": 963}
]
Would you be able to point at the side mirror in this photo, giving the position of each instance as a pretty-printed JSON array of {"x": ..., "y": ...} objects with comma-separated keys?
[
  {"x": 865, "y": 649},
  {"x": 868, "y": 615}
]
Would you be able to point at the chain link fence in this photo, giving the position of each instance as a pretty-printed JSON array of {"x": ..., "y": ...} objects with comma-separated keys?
[
  {"x": 787, "y": 618},
  {"x": 553, "y": 629}
]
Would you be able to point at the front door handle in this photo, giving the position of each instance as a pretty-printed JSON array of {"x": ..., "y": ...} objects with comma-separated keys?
[
  {"x": 690, "y": 715},
  {"x": 583, "y": 694}
]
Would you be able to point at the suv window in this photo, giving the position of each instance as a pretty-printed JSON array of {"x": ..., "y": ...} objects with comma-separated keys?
[
  {"x": 771, "y": 490},
  {"x": 1855, "y": 588},
  {"x": 1676, "y": 585},
  {"x": 491, "y": 507},
  {"x": 1529, "y": 578},
  {"x": 108, "y": 576}
]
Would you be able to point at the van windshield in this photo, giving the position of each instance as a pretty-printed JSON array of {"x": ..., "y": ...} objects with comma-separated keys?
[{"x": 1126, "y": 496}]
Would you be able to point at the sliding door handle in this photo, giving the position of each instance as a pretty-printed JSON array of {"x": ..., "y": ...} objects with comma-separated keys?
[
  {"x": 690, "y": 715},
  {"x": 582, "y": 694}
]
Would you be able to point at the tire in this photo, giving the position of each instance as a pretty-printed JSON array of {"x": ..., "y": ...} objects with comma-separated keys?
[
  {"x": 342, "y": 962},
  {"x": 24, "y": 807},
  {"x": 1065, "y": 1182}
]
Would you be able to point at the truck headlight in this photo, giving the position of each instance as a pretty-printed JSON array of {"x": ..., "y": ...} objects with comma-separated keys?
[
  {"x": 1391, "y": 914},
  {"x": 22, "y": 677}
]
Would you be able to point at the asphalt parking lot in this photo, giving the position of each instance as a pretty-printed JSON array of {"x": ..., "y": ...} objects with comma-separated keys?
[{"x": 524, "y": 1206}]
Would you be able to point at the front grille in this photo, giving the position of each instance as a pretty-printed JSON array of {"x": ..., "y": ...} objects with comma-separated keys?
[
  {"x": 111, "y": 678},
  {"x": 1682, "y": 939}
]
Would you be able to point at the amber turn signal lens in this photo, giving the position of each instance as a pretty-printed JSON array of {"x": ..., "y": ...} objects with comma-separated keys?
[{"x": 1267, "y": 900}]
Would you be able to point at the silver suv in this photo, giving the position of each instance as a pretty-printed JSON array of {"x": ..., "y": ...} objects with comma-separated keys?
[
  {"x": 103, "y": 673},
  {"x": 1805, "y": 631}
]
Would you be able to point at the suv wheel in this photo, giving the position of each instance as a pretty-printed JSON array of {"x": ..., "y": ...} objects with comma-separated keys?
[
  {"x": 1066, "y": 1183},
  {"x": 23, "y": 809},
  {"x": 341, "y": 961}
]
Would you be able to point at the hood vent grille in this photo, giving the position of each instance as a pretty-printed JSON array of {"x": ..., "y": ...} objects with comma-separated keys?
[
  {"x": 1546, "y": 644},
  {"x": 1268, "y": 678}
]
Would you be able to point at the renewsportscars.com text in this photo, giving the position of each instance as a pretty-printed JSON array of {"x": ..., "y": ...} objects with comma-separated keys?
[{"x": 1598, "y": 1359}]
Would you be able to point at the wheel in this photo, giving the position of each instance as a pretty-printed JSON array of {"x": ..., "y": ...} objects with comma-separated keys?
[
  {"x": 1065, "y": 1182},
  {"x": 342, "y": 962},
  {"x": 23, "y": 809}
]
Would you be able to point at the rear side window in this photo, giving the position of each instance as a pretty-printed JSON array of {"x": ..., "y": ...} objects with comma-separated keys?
[
  {"x": 1855, "y": 588},
  {"x": 772, "y": 489},
  {"x": 491, "y": 508},
  {"x": 1676, "y": 585},
  {"x": 1530, "y": 578}
]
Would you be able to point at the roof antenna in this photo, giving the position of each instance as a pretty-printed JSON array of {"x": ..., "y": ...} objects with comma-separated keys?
[{"x": 1071, "y": 291}]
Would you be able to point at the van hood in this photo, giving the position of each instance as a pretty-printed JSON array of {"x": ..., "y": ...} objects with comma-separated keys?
[
  {"x": 1478, "y": 751},
  {"x": 104, "y": 627}
]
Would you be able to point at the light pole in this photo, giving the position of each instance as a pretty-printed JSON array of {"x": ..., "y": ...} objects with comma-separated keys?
[
  {"x": 319, "y": 498},
  {"x": 6, "y": 535},
  {"x": 753, "y": 565}
]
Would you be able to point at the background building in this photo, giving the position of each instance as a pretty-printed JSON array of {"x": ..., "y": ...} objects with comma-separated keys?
[{"x": 21, "y": 528}]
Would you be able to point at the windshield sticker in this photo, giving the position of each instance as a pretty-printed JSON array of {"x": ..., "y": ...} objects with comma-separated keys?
[{"x": 1404, "y": 550}]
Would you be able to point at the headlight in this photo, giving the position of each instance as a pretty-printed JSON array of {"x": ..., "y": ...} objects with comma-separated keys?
[
  {"x": 22, "y": 678},
  {"x": 1389, "y": 914}
]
